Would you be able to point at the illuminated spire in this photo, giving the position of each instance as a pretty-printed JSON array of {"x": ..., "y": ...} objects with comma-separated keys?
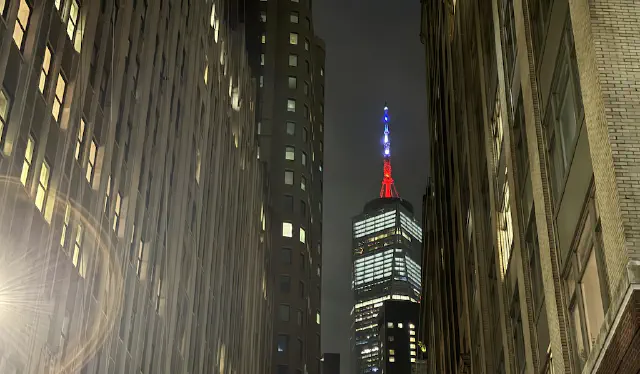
[{"x": 388, "y": 189}]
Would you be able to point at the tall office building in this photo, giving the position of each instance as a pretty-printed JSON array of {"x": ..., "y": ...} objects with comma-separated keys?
[
  {"x": 291, "y": 125},
  {"x": 397, "y": 327},
  {"x": 134, "y": 224},
  {"x": 386, "y": 262},
  {"x": 531, "y": 250}
]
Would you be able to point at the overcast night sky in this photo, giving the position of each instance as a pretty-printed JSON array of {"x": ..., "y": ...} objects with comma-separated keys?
[{"x": 374, "y": 55}]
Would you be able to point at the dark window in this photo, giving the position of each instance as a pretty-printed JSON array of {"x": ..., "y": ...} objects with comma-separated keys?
[
  {"x": 282, "y": 369},
  {"x": 285, "y": 255},
  {"x": 283, "y": 343},
  {"x": 301, "y": 289},
  {"x": 285, "y": 283},
  {"x": 288, "y": 203},
  {"x": 283, "y": 312}
]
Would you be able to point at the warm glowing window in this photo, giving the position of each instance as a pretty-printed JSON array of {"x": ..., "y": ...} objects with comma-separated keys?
[
  {"x": 262, "y": 59},
  {"x": 294, "y": 17},
  {"x": 116, "y": 218},
  {"x": 20, "y": 28},
  {"x": 139, "y": 258},
  {"x": 4, "y": 113},
  {"x": 57, "y": 102},
  {"x": 290, "y": 153},
  {"x": 293, "y": 38},
  {"x": 80, "y": 139},
  {"x": 28, "y": 160},
  {"x": 43, "y": 186},
  {"x": 392, "y": 359},
  {"x": 317, "y": 317},
  {"x": 46, "y": 67},
  {"x": 303, "y": 236},
  {"x": 91, "y": 164},
  {"x": 392, "y": 352},
  {"x": 263, "y": 38},
  {"x": 303, "y": 183},
  {"x": 400, "y": 325},
  {"x": 287, "y": 229},
  {"x": 77, "y": 247},
  {"x": 303, "y": 159},
  {"x": 65, "y": 224},
  {"x": 293, "y": 60},
  {"x": 291, "y": 105},
  {"x": 72, "y": 23}
]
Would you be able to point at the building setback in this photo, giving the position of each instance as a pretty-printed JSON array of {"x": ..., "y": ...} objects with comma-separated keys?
[
  {"x": 127, "y": 136},
  {"x": 531, "y": 237},
  {"x": 291, "y": 128},
  {"x": 398, "y": 340}
]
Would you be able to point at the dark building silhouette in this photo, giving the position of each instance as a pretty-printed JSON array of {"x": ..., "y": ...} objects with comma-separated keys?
[
  {"x": 331, "y": 363},
  {"x": 397, "y": 328}
]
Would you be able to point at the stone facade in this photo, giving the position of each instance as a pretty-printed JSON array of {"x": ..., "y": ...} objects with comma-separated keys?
[
  {"x": 131, "y": 180},
  {"x": 531, "y": 243}
]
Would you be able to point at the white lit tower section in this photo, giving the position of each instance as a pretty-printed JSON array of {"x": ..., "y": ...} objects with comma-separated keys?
[{"x": 387, "y": 242}]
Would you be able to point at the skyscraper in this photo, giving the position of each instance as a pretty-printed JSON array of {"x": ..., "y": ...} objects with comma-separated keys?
[
  {"x": 291, "y": 125},
  {"x": 134, "y": 213},
  {"x": 397, "y": 327},
  {"x": 531, "y": 254},
  {"x": 386, "y": 257}
]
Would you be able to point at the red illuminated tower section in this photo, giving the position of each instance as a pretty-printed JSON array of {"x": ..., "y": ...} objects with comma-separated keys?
[{"x": 388, "y": 189}]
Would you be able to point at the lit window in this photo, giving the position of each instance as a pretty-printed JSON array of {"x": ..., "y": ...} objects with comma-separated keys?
[
  {"x": 412, "y": 326},
  {"x": 322, "y": 72},
  {"x": 303, "y": 183},
  {"x": 4, "y": 113},
  {"x": 73, "y": 19},
  {"x": 400, "y": 325},
  {"x": 262, "y": 59},
  {"x": 390, "y": 325},
  {"x": 116, "y": 218},
  {"x": 80, "y": 139},
  {"x": 288, "y": 177},
  {"x": 107, "y": 193},
  {"x": 20, "y": 28},
  {"x": 57, "y": 102},
  {"x": 392, "y": 352},
  {"x": 412, "y": 346},
  {"x": 263, "y": 16},
  {"x": 303, "y": 236},
  {"x": 65, "y": 225},
  {"x": 287, "y": 229},
  {"x": 290, "y": 153},
  {"x": 293, "y": 83},
  {"x": 46, "y": 67},
  {"x": 261, "y": 81},
  {"x": 140, "y": 257},
  {"x": 413, "y": 359},
  {"x": 392, "y": 359},
  {"x": 291, "y": 105},
  {"x": 293, "y": 38},
  {"x": 58, "y": 4},
  {"x": 28, "y": 159},
  {"x": 411, "y": 332},
  {"x": 306, "y": 44},
  {"x": 77, "y": 247},
  {"x": 43, "y": 186},
  {"x": 412, "y": 339},
  {"x": 303, "y": 159},
  {"x": 291, "y": 128},
  {"x": 91, "y": 164},
  {"x": 294, "y": 17},
  {"x": 318, "y": 317},
  {"x": 293, "y": 60},
  {"x": 206, "y": 73},
  {"x": 263, "y": 38},
  {"x": 413, "y": 353}
]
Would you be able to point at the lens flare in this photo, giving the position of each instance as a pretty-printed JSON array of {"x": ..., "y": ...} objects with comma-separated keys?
[{"x": 41, "y": 283}]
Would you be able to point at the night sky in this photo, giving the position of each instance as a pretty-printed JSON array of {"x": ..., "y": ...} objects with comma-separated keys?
[{"x": 374, "y": 55}]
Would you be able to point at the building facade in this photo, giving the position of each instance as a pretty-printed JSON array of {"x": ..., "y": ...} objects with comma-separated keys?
[
  {"x": 398, "y": 339},
  {"x": 133, "y": 206},
  {"x": 331, "y": 363},
  {"x": 291, "y": 128},
  {"x": 531, "y": 237},
  {"x": 386, "y": 266}
]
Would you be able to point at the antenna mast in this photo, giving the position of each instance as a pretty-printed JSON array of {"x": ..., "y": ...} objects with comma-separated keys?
[{"x": 388, "y": 189}]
